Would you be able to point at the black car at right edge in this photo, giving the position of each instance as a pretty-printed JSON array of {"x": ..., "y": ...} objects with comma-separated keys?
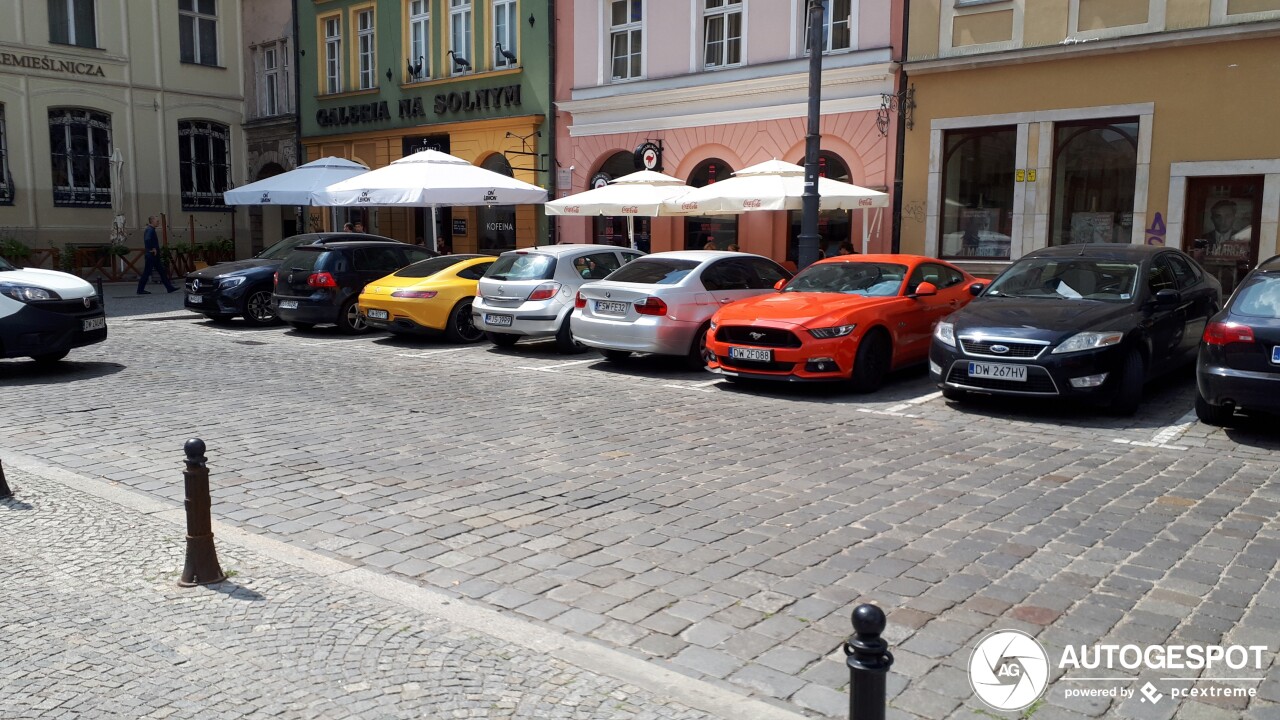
[
  {"x": 1089, "y": 321},
  {"x": 1239, "y": 363}
]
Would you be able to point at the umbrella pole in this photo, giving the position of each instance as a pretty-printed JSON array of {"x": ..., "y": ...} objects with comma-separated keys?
[
  {"x": 435, "y": 229},
  {"x": 866, "y": 238},
  {"x": 631, "y": 231}
]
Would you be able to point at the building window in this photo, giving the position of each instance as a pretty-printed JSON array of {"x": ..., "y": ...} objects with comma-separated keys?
[
  {"x": 6, "y": 179},
  {"x": 722, "y": 33},
  {"x": 204, "y": 162},
  {"x": 198, "y": 31},
  {"x": 977, "y": 189},
  {"x": 419, "y": 40},
  {"x": 270, "y": 83},
  {"x": 80, "y": 145},
  {"x": 333, "y": 55},
  {"x": 505, "y": 24},
  {"x": 711, "y": 232},
  {"x": 1095, "y": 170},
  {"x": 626, "y": 35},
  {"x": 838, "y": 26},
  {"x": 367, "y": 50},
  {"x": 73, "y": 22},
  {"x": 460, "y": 35}
]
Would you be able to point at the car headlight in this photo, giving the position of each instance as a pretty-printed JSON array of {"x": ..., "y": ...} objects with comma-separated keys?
[
  {"x": 1088, "y": 341},
  {"x": 945, "y": 332},
  {"x": 713, "y": 324},
  {"x": 230, "y": 282},
  {"x": 832, "y": 332},
  {"x": 28, "y": 293}
]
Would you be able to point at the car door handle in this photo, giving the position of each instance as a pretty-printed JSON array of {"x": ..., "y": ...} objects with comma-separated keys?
[{"x": 725, "y": 300}]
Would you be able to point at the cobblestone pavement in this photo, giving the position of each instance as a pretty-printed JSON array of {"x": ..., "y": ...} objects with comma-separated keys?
[
  {"x": 722, "y": 531},
  {"x": 96, "y": 626}
]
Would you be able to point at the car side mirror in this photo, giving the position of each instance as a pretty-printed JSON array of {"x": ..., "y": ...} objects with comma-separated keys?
[
  {"x": 1167, "y": 298},
  {"x": 977, "y": 288},
  {"x": 925, "y": 289},
  {"x": 780, "y": 284}
]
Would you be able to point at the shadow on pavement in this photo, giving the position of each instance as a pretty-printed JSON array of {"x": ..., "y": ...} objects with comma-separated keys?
[
  {"x": 13, "y": 503},
  {"x": 236, "y": 591},
  {"x": 29, "y": 372},
  {"x": 1163, "y": 403},
  {"x": 1256, "y": 430}
]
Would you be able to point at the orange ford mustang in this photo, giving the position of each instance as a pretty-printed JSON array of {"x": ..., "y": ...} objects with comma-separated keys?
[{"x": 852, "y": 317}]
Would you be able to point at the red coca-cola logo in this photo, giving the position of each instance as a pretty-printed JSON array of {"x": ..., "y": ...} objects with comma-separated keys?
[
  {"x": 630, "y": 210},
  {"x": 573, "y": 209},
  {"x": 751, "y": 204},
  {"x": 864, "y": 202},
  {"x": 689, "y": 206}
]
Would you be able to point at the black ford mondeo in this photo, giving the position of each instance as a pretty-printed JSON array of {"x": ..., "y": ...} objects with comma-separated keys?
[{"x": 1093, "y": 321}]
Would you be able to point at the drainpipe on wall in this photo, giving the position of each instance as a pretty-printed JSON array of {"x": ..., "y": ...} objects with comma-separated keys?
[
  {"x": 303, "y": 216},
  {"x": 900, "y": 156},
  {"x": 552, "y": 221}
]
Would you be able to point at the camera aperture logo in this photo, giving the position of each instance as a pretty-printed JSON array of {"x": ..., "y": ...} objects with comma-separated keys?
[{"x": 1009, "y": 670}]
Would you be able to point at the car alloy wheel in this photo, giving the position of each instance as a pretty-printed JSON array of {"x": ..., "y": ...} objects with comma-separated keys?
[
  {"x": 257, "y": 308},
  {"x": 461, "y": 326}
]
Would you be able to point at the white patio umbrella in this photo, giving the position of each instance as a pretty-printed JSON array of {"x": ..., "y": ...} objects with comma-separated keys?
[
  {"x": 775, "y": 185},
  {"x": 640, "y": 193},
  {"x": 295, "y": 186}
]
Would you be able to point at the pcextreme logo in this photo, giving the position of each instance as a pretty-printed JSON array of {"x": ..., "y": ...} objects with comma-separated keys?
[{"x": 1009, "y": 670}]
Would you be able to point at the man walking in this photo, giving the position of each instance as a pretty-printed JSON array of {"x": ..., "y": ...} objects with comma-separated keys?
[{"x": 151, "y": 256}]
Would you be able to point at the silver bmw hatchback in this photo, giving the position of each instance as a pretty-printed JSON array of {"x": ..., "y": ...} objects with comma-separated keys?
[{"x": 529, "y": 293}]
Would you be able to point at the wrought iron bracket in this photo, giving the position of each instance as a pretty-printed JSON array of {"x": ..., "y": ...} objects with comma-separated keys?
[
  {"x": 903, "y": 103},
  {"x": 527, "y": 150}
]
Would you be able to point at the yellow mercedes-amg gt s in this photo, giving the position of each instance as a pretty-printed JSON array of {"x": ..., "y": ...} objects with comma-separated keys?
[{"x": 427, "y": 298}]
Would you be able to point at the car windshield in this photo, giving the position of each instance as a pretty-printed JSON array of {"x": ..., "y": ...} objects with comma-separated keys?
[
  {"x": 304, "y": 260},
  {"x": 522, "y": 266},
  {"x": 654, "y": 271},
  {"x": 431, "y": 266},
  {"x": 1260, "y": 298},
  {"x": 872, "y": 279},
  {"x": 282, "y": 248},
  {"x": 1071, "y": 278},
  {"x": 4, "y": 265}
]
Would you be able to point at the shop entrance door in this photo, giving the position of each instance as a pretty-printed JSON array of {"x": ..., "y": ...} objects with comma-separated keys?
[{"x": 1223, "y": 221}]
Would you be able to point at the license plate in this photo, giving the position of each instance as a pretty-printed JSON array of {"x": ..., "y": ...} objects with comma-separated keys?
[
  {"x": 995, "y": 371},
  {"x": 738, "y": 353},
  {"x": 604, "y": 307},
  {"x": 194, "y": 299},
  {"x": 288, "y": 304},
  {"x": 1275, "y": 355},
  {"x": 378, "y": 314},
  {"x": 503, "y": 320},
  {"x": 97, "y": 323}
]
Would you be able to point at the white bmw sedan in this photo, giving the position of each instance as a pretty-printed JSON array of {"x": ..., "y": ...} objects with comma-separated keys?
[{"x": 663, "y": 303}]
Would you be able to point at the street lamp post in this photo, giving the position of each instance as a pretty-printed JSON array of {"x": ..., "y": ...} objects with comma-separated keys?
[{"x": 809, "y": 238}]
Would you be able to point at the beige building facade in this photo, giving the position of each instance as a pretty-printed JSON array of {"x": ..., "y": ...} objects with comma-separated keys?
[
  {"x": 112, "y": 110},
  {"x": 1048, "y": 122},
  {"x": 271, "y": 113}
]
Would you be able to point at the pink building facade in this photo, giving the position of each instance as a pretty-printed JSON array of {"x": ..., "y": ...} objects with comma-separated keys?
[{"x": 716, "y": 86}]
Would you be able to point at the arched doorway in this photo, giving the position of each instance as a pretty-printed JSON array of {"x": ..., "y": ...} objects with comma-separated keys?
[
  {"x": 834, "y": 226},
  {"x": 704, "y": 232},
  {"x": 612, "y": 230},
  {"x": 496, "y": 224},
  {"x": 270, "y": 223}
]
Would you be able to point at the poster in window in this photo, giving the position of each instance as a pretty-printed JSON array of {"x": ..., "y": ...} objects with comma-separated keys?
[
  {"x": 1226, "y": 234},
  {"x": 978, "y": 235},
  {"x": 1093, "y": 227}
]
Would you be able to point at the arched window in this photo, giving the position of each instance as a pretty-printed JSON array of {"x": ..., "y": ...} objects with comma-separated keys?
[
  {"x": 204, "y": 163},
  {"x": 1095, "y": 170},
  {"x": 716, "y": 232},
  {"x": 835, "y": 226},
  {"x": 497, "y": 223},
  {"x": 612, "y": 230},
  {"x": 80, "y": 145}
]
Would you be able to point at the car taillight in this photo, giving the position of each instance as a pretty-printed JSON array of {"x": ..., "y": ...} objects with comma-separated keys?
[
  {"x": 275, "y": 278},
  {"x": 579, "y": 301},
  {"x": 1225, "y": 333},
  {"x": 545, "y": 291},
  {"x": 651, "y": 306},
  {"x": 420, "y": 294},
  {"x": 321, "y": 280}
]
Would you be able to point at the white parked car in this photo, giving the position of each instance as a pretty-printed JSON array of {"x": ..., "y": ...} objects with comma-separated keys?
[
  {"x": 45, "y": 313},
  {"x": 529, "y": 293},
  {"x": 663, "y": 303}
]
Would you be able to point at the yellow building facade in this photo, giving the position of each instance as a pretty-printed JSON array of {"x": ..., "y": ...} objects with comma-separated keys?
[{"x": 1048, "y": 122}]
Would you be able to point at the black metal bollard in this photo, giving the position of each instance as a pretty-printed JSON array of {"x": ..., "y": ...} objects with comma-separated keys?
[
  {"x": 5, "y": 492},
  {"x": 102, "y": 296},
  {"x": 869, "y": 660},
  {"x": 202, "y": 559}
]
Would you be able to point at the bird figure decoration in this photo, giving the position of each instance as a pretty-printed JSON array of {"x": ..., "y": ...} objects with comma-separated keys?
[
  {"x": 459, "y": 61},
  {"x": 510, "y": 56},
  {"x": 415, "y": 69}
]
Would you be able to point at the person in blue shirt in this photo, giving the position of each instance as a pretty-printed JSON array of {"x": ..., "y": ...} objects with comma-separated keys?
[{"x": 151, "y": 256}]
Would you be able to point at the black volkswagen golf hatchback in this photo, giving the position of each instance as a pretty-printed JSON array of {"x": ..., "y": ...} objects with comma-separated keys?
[
  {"x": 1239, "y": 363},
  {"x": 243, "y": 287},
  {"x": 319, "y": 284},
  {"x": 1092, "y": 321}
]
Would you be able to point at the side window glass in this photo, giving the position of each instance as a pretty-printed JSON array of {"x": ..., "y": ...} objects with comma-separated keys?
[
  {"x": 952, "y": 275},
  {"x": 1182, "y": 271},
  {"x": 715, "y": 277},
  {"x": 1160, "y": 277},
  {"x": 416, "y": 254},
  {"x": 628, "y": 257},
  {"x": 766, "y": 274},
  {"x": 600, "y": 265},
  {"x": 475, "y": 272}
]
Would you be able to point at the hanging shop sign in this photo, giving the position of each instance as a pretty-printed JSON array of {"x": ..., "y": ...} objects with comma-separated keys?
[
  {"x": 648, "y": 157},
  {"x": 600, "y": 179}
]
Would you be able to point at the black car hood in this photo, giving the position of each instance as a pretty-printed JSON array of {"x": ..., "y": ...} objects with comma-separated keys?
[
  {"x": 1042, "y": 319},
  {"x": 235, "y": 267}
]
